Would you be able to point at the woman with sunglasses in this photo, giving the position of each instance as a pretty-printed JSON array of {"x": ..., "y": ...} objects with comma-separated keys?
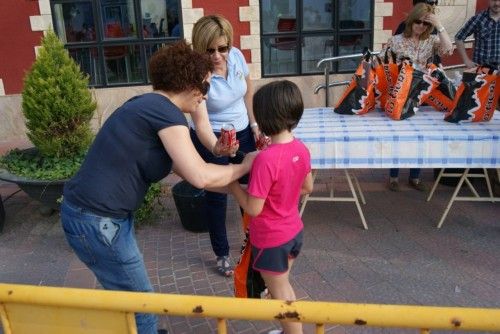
[
  {"x": 229, "y": 102},
  {"x": 418, "y": 44},
  {"x": 416, "y": 41},
  {"x": 401, "y": 27},
  {"x": 140, "y": 143}
]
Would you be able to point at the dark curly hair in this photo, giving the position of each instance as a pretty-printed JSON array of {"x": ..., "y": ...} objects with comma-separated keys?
[
  {"x": 178, "y": 68},
  {"x": 278, "y": 106}
]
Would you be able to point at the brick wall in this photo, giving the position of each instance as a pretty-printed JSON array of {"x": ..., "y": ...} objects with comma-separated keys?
[{"x": 20, "y": 34}]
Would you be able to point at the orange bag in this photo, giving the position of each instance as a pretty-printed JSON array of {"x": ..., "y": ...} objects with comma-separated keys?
[
  {"x": 411, "y": 89},
  {"x": 477, "y": 96},
  {"x": 248, "y": 283},
  {"x": 442, "y": 97},
  {"x": 386, "y": 73},
  {"x": 359, "y": 97}
]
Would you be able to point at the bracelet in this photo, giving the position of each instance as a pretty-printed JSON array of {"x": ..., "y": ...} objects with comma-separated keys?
[
  {"x": 440, "y": 30},
  {"x": 254, "y": 125}
]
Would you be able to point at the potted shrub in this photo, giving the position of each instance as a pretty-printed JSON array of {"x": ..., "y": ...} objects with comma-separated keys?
[{"x": 58, "y": 106}]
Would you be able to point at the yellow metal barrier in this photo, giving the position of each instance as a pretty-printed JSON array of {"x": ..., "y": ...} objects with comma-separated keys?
[{"x": 35, "y": 309}]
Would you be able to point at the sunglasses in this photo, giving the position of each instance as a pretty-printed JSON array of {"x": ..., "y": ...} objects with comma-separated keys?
[
  {"x": 425, "y": 23},
  {"x": 205, "y": 88},
  {"x": 432, "y": 3},
  {"x": 220, "y": 49}
]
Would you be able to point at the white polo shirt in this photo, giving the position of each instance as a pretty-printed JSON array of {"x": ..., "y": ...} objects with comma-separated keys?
[{"x": 225, "y": 102}]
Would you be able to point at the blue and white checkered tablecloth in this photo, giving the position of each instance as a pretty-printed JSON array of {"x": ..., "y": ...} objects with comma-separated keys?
[{"x": 375, "y": 141}]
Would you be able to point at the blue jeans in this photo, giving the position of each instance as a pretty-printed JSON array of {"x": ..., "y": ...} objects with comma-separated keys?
[
  {"x": 414, "y": 173},
  {"x": 217, "y": 202},
  {"x": 108, "y": 247}
]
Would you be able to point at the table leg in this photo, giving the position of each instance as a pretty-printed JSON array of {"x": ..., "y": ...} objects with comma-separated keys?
[
  {"x": 488, "y": 184},
  {"x": 471, "y": 187},
  {"x": 443, "y": 174},
  {"x": 305, "y": 198},
  {"x": 434, "y": 186},
  {"x": 455, "y": 193},
  {"x": 356, "y": 182},
  {"x": 356, "y": 200}
]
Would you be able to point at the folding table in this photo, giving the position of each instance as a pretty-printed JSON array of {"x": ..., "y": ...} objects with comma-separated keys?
[{"x": 374, "y": 140}]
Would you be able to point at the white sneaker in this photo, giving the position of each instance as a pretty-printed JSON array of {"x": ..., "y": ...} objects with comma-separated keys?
[{"x": 276, "y": 331}]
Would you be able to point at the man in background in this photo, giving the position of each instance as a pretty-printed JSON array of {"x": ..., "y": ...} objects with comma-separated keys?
[{"x": 486, "y": 29}]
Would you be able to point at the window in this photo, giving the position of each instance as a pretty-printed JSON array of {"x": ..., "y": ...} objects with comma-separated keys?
[
  {"x": 112, "y": 40},
  {"x": 296, "y": 34}
]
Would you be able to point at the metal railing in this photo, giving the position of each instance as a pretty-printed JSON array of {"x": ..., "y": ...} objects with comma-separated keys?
[
  {"x": 35, "y": 309},
  {"x": 327, "y": 68}
]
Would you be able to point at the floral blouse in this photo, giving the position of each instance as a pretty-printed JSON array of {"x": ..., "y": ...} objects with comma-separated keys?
[{"x": 419, "y": 52}]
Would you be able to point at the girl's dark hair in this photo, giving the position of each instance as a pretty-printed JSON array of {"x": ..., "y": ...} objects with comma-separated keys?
[
  {"x": 278, "y": 106},
  {"x": 178, "y": 68}
]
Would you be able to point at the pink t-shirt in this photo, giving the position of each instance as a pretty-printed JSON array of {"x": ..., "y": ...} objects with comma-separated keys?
[{"x": 277, "y": 175}]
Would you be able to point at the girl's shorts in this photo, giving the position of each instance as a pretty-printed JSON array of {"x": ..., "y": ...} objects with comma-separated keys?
[{"x": 274, "y": 260}]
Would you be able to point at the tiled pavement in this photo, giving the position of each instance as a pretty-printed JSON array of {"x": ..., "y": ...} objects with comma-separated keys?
[{"x": 401, "y": 259}]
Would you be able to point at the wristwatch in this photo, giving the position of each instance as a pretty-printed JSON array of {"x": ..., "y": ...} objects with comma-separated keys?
[{"x": 440, "y": 30}]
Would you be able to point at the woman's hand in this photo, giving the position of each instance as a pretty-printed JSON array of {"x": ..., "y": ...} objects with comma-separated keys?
[
  {"x": 248, "y": 160},
  {"x": 256, "y": 132},
  {"x": 220, "y": 149},
  {"x": 470, "y": 64},
  {"x": 433, "y": 19},
  {"x": 445, "y": 45}
]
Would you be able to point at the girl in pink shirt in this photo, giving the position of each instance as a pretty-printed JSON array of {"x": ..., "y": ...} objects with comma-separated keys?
[{"x": 279, "y": 175}]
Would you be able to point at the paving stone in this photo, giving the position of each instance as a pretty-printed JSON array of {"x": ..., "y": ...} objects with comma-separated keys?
[
  {"x": 362, "y": 274},
  {"x": 83, "y": 278},
  {"x": 201, "y": 329},
  {"x": 204, "y": 291},
  {"x": 240, "y": 325},
  {"x": 485, "y": 292},
  {"x": 186, "y": 290}
]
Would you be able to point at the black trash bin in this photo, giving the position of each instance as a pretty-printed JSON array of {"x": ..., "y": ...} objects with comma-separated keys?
[{"x": 191, "y": 206}]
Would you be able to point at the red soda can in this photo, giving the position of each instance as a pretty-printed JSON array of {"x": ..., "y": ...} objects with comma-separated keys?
[
  {"x": 262, "y": 142},
  {"x": 228, "y": 135}
]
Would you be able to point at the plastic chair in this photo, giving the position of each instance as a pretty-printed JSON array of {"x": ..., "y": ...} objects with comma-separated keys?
[
  {"x": 354, "y": 39},
  {"x": 117, "y": 53},
  {"x": 284, "y": 43}
]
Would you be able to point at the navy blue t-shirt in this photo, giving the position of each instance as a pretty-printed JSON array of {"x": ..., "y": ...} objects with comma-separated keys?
[{"x": 126, "y": 156}]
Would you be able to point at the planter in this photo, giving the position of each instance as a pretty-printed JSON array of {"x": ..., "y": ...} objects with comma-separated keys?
[
  {"x": 46, "y": 192},
  {"x": 191, "y": 206}
]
